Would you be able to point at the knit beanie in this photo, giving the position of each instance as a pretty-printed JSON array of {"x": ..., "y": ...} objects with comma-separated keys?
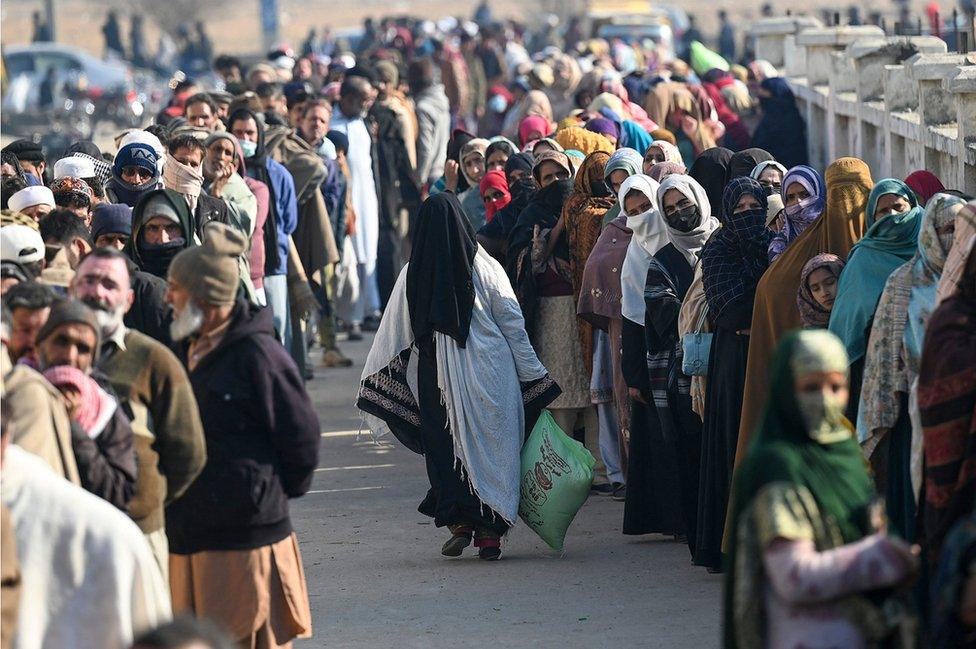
[
  {"x": 111, "y": 218},
  {"x": 210, "y": 273},
  {"x": 71, "y": 312},
  {"x": 158, "y": 205},
  {"x": 136, "y": 155}
]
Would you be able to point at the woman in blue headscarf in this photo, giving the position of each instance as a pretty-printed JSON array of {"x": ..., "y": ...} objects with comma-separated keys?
[
  {"x": 893, "y": 218},
  {"x": 804, "y": 199}
]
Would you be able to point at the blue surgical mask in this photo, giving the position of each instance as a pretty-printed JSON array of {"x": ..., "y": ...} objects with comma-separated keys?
[
  {"x": 497, "y": 104},
  {"x": 249, "y": 148}
]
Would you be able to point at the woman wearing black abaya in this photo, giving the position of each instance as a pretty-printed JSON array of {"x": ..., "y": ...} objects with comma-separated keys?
[
  {"x": 675, "y": 440},
  {"x": 475, "y": 373},
  {"x": 711, "y": 170},
  {"x": 732, "y": 262},
  {"x": 782, "y": 130}
]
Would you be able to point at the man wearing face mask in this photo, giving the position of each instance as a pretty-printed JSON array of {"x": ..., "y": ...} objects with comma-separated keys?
[
  {"x": 135, "y": 172},
  {"x": 282, "y": 220},
  {"x": 355, "y": 99},
  {"x": 152, "y": 388},
  {"x": 162, "y": 227},
  {"x": 183, "y": 174},
  {"x": 112, "y": 228}
]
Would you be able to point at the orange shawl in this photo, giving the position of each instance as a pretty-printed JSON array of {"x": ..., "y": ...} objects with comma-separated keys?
[
  {"x": 775, "y": 312},
  {"x": 583, "y": 217}
]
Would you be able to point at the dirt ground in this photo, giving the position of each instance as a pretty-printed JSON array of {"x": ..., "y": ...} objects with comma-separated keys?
[{"x": 79, "y": 21}]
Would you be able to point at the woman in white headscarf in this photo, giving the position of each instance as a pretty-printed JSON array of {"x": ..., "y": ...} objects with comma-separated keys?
[{"x": 651, "y": 502}]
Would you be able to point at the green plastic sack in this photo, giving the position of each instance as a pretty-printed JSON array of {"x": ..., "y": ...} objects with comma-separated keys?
[
  {"x": 704, "y": 59},
  {"x": 557, "y": 472}
]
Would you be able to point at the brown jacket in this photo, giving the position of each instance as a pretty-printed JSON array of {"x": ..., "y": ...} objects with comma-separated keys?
[
  {"x": 40, "y": 421},
  {"x": 153, "y": 389}
]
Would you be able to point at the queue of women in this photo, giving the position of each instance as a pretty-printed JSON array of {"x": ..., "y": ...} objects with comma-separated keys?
[{"x": 771, "y": 363}]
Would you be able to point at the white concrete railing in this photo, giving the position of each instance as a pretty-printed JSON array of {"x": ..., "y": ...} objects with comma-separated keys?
[{"x": 898, "y": 103}]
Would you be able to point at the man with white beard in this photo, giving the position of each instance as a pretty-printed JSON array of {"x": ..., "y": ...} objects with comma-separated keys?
[
  {"x": 153, "y": 390},
  {"x": 232, "y": 526}
]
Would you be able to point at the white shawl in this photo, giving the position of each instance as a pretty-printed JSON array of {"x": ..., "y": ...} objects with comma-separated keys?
[
  {"x": 480, "y": 384},
  {"x": 650, "y": 235}
]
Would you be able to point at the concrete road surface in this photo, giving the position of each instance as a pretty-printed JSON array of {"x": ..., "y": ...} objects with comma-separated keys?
[{"x": 376, "y": 577}]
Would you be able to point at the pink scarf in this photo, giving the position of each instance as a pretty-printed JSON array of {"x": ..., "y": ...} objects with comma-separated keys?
[{"x": 95, "y": 406}]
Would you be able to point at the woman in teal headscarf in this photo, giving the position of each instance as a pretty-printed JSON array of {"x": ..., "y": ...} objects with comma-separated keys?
[
  {"x": 894, "y": 218},
  {"x": 809, "y": 562},
  {"x": 891, "y": 366},
  {"x": 623, "y": 164},
  {"x": 634, "y": 136}
]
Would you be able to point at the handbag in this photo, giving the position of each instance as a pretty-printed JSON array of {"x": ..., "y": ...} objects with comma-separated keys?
[{"x": 695, "y": 347}]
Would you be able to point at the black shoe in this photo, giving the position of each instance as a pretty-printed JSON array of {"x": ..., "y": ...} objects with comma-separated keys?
[
  {"x": 490, "y": 554},
  {"x": 619, "y": 491},
  {"x": 605, "y": 489},
  {"x": 460, "y": 539}
]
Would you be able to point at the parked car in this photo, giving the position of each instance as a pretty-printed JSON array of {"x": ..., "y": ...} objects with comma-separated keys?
[{"x": 27, "y": 67}]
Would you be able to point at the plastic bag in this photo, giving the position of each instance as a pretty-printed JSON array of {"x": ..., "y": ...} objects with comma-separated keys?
[{"x": 557, "y": 472}]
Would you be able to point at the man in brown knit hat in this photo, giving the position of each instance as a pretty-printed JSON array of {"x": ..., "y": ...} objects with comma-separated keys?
[{"x": 233, "y": 554}]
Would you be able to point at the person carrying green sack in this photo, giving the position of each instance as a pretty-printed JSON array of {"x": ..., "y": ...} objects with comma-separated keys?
[
  {"x": 556, "y": 475},
  {"x": 475, "y": 387}
]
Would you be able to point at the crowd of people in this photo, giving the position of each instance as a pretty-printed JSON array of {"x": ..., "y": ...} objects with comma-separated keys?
[{"x": 771, "y": 363}]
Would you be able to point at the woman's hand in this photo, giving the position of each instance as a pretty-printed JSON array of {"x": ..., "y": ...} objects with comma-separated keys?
[{"x": 451, "y": 170}]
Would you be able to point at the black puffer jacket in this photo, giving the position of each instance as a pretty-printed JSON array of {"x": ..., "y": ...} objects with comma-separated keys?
[{"x": 262, "y": 442}]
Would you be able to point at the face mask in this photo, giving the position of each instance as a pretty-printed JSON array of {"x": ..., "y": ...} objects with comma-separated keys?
[
  {"x": 802, "y": 207},
  {"x": 771, "y": 189},
  {"x": 497, "y": 104},
  {"x": 823, "y": 415},
  {"x": 250, "y": 148},
  {"x": 684, "y": 220}
]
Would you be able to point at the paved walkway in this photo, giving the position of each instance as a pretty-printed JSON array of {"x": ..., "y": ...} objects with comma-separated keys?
[{"x": 376, "y": 577}]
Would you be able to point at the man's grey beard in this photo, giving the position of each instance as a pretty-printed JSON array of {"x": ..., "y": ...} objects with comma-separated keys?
[
  {"x": 187, "y": 323},
  {"x": 108, "y": 320}
]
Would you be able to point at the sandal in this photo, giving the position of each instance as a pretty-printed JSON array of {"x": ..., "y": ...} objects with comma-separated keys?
[
  {"x": 460, "y": 539},
  {"x": 489, "y": 545}
]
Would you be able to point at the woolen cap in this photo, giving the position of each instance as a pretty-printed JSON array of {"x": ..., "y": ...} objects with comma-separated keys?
[
  {"x": 111, "y": 218},
  {"x": 71, "y": 312},
  {"x": 210, "y": 273}
]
